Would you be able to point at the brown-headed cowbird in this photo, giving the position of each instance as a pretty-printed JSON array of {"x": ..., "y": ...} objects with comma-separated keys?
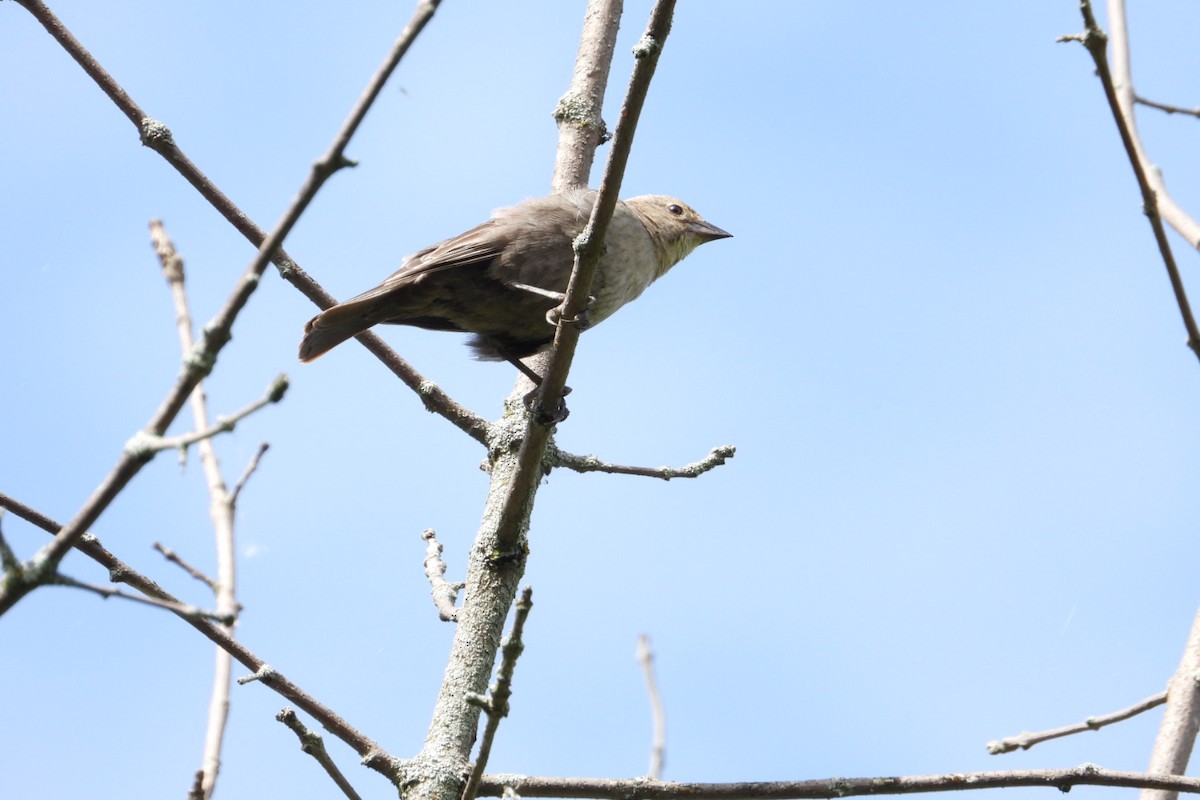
[{"x": 501, "y": 279}]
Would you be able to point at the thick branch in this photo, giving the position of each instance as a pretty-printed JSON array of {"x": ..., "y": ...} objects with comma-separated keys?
[
  {"x": 588, "y": 248},
  {"x": 1181, "y": 720},
  {"x": 496, "y": 561}
]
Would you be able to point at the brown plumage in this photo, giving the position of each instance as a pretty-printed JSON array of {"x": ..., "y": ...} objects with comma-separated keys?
[{"x": 499, "y": 279}]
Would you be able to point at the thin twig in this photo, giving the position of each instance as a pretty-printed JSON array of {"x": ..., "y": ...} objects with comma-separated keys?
[
  {"x": 1170, "y": 109},
  {"x": 177, "y": 560},
  {"x": 716, "y": 457},
  {"x": 658, "y": 717},
  {"x": 185, "y": 610},
  {"x": 496, "y": 703},
  {"x": 445, "y": 593},
  {"x": 250, "y": 468},
  {"x": 646, "y": 789},
  {"x": 312, "y": 743},
  {"x": 1024, "y": 741},
  {"x": 144, "y": 443}
]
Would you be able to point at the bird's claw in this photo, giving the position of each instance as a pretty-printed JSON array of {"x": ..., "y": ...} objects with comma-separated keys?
[
  {"x": 583, "y": 319},
  {"x": 548, "y": 417}
]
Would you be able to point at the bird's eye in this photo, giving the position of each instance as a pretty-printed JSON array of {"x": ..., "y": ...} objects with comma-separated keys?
[{"x": 675, "y": 209}]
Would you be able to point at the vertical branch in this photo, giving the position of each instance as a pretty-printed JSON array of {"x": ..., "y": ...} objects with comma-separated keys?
[
  {"x": 588, "y": 246},
  {"x": 1122, "y": 75},
  {"x": 580, "y": 126},
  {"x": 496, "y": 702},
  {"x": 1181, "y": 720},
  {"x": 658, "y": 743},
  {"x": 497, "y": 558},
  {"x": 221, "y": 511}
]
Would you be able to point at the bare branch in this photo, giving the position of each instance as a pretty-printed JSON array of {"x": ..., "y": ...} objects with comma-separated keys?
[
  {"x": 371, "y": 754},
  {"x": 1024, "y": 741},
  {"x": 1181, "y": 720},
  {"x": 646, "y": 789},
  {"x": 185, "y": 610},
  {"x": 444, "y": 592},
  {"x": 312, "y": 743},
  {"x": 218, "y": 332},
  {"x": 523, "y": 485},
  {"x": 716, "y": 457},
  {"x": 495, "y": 564},
  {"x": 1155, "y": 200},
  {"x": 158, "y": 137},
  {"x": 658, "y": 744},
  {"x": 177, "y": 560},
  {"x": 250, "y": 468},
  {"x": 580, "y": 128},
  {"x": 496, "y": 703},
  {"x": 221, "y": 507},
  {"x": 1169, "y": 109},
  {"x": 146, "y": 445}
]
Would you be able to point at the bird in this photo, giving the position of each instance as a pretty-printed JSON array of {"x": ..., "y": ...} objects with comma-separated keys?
[{"x": 502, "y": 280}]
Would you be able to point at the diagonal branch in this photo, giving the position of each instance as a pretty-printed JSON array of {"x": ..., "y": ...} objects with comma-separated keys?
[
  {"x": 1024, "y": 741},
  {"x": 372, "y": 754},
  {"x": 217, "y": 332},
  {"x": 588, "y": 247},
  {"x": 158, "y": 137}
]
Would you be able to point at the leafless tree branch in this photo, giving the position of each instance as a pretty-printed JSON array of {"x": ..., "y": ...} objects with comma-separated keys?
[
  {"x": 444, "y": 592},
  {"x": 372, "y": 755},
  {"x": 658, "y": 717},
  {"x": 312, "y": 743},
  {"x": 158, "y": 137},
  {"x": 1024, "y": 741},
  {"x": 716, "y": 457},
  {"x": 495, "y": 703},
  {"x": 1155, "y": 200},
  {"x": 1167, "y": 108},
  {"x": 645, "y": 789}
]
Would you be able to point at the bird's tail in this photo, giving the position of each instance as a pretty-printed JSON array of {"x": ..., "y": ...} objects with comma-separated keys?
[{"x": 326, "y": 331}]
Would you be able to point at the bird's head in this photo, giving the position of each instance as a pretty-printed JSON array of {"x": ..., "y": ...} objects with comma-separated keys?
[{"x": 674, "y": 226}]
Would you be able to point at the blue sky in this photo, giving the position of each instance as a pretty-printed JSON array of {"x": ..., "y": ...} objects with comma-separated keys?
[{"x": 964, "y": 498}]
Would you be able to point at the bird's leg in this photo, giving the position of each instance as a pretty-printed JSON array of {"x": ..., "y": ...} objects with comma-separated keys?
[
  {"x": 539, "y": 291},
  {"x": 552, "y": 316},
  {"x": 524, "y": 369},
  {"x": 549, "y": 418}
]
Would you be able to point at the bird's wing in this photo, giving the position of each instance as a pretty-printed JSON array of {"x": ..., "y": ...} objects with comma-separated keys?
[{"x": 479, "y": 245}]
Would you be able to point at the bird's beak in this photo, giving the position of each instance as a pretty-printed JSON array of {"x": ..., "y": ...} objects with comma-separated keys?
[{"x": 709, "y": 232}]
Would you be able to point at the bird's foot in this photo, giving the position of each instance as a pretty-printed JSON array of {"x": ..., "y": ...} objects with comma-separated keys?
[
  {"x": 583, "y": 319},
  {"x": 548, "y": 417}
]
